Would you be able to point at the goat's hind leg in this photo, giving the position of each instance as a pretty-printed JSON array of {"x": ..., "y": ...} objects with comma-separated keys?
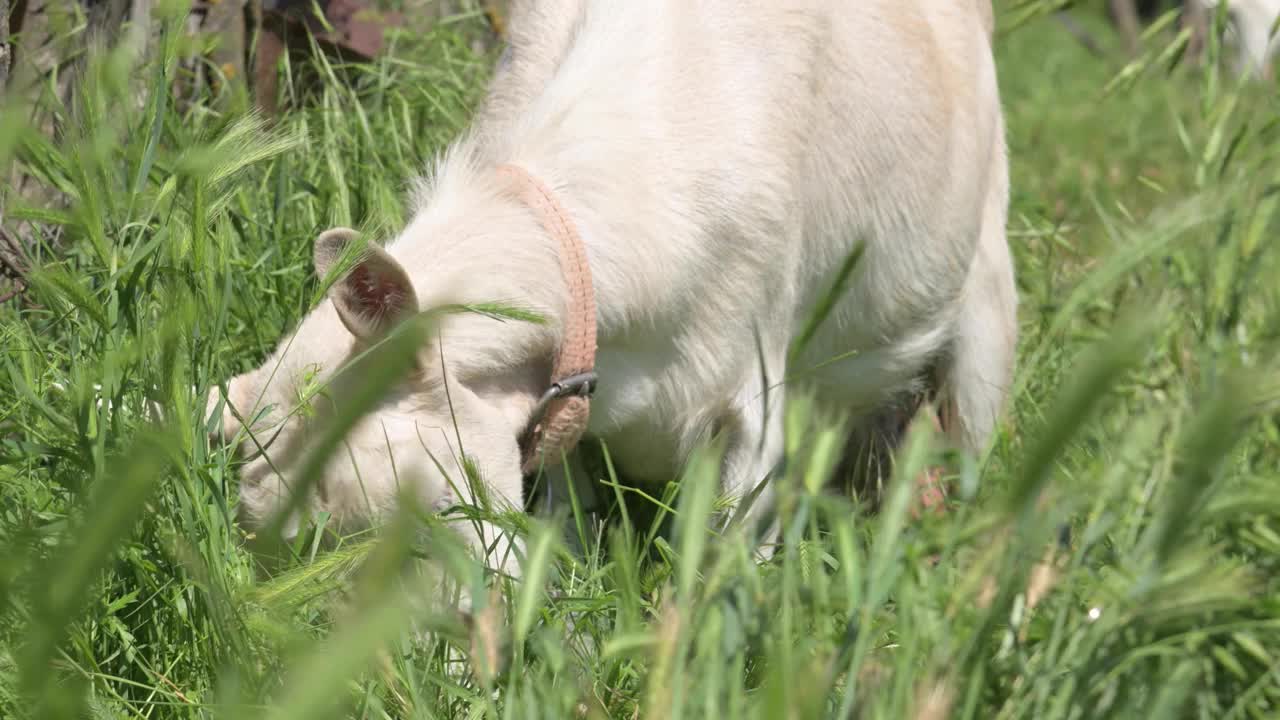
[
  {"x": 975, "y": 377},
  {"x": 968, "y": 386}
]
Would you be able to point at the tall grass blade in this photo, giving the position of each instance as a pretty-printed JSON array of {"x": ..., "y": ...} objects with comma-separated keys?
[{"x": 115, "y": 503}]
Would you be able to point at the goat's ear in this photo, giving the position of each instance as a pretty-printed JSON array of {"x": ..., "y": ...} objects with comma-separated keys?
[{"x": 374, "y": 294}]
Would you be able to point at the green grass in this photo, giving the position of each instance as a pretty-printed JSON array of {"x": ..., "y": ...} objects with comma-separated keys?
[{"x": 1147, "y": 414}]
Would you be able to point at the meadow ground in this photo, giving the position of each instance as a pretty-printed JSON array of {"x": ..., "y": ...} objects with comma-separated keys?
[{"x": 1146, "y": 414}]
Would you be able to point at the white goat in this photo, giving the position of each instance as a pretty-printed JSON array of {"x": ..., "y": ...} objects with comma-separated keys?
[{"x": 721, "y": 159}]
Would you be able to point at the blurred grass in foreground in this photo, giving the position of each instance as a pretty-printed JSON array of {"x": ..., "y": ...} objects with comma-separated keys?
[{"x": 1146, "y": 417}]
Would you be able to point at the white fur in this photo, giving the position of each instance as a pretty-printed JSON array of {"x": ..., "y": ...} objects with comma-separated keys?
[
  {"x": 721, "y": 159},
  {"x": 1251, "y": 22}
]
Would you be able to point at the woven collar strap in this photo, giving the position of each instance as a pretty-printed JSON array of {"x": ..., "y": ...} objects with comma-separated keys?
[{"x": 560, "y": 418}]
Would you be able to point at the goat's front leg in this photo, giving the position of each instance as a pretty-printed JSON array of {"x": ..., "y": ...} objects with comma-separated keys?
[{"x": 754, "y": 430}]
